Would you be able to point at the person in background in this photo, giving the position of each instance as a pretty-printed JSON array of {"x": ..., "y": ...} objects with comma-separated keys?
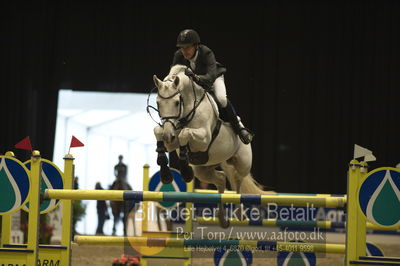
[
  {"x": 120, "y": 169},
  {"x": 76, "y": 182},
  {"x": 102, "y": 212}
]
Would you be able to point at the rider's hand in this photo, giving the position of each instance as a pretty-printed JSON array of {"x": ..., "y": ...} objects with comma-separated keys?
[{"x": 190, "y": 74}]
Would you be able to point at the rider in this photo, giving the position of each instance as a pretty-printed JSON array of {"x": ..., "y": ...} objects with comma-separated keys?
[
  {"x": 120, "y": 172},
  {"x": 120, "y": 169},
  {"x": 208, "y": 73}
]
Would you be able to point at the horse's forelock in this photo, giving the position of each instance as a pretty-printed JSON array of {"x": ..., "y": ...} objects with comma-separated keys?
[{"x": 175, "y": 70}]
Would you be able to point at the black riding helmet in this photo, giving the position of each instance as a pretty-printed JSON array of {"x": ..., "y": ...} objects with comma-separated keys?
[{"x": 187, "y": 37}]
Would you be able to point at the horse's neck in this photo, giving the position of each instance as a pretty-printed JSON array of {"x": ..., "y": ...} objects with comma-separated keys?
[
  {"x": 194, "y": 97},
  {"x": 191, "y": 94}
]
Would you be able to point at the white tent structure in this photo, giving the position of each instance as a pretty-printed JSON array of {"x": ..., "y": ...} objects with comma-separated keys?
[{"x": 109, "y": 125}]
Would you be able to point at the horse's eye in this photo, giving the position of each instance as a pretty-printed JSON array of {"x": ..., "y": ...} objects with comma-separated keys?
[{"x": 176, "y": 103}]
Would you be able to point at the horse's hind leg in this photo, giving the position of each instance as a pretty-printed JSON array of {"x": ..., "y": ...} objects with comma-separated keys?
[
  {"x": 241, "y": 215},
  {"x": 208, "y": 174},
  {"x": 237, "y": 168},
  {"x": 115, "y": 212},
  {"x": 162, "y": 216},
  {"x": 125, "y": 213}
]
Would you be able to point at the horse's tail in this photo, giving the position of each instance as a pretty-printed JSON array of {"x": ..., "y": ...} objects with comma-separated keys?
[
  {"x": 251, "y": 186},
  {"x": 248, "y": 186}
]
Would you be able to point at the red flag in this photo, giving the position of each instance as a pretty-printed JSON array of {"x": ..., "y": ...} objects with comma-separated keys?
[
  {"x": 24, "y": 144},
  {"x": 75, "y": 143}
]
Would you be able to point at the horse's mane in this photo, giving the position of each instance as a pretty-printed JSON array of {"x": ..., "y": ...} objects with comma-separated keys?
[{"x": 174, "y": 71}]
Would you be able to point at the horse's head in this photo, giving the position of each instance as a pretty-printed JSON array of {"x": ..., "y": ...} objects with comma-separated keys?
[{"x": 169, "y": 104}]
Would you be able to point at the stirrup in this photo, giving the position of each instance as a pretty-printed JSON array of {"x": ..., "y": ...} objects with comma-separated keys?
[{"x": 245, "y": 135}]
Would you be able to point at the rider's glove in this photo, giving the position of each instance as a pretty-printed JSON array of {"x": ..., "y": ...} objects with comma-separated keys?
[{"x": 190, "y": 74}]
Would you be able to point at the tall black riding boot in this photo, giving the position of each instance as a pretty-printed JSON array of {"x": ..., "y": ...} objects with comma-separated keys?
[{"x": 245, "y": 135}]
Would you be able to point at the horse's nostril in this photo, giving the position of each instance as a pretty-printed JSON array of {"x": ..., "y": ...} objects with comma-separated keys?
[{"x": 172, "y": 138}]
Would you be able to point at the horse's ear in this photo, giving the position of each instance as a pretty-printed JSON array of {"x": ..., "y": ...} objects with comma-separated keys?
[
  {"x": 176, "y": 81},
  {"x": 157, "y": 82}
]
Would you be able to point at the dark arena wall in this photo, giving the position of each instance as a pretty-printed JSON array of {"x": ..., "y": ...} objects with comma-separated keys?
[{"x": 310, "y": 78}]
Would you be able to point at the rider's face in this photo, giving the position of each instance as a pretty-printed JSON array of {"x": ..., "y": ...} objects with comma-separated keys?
[{"x": 188, "y": 51}]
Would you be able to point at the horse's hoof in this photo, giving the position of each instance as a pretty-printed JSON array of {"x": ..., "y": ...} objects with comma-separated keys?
[
  {"x": 187, "y": 174},
  {"x": 224, "y": 223},
  {"x": 187, "y": 179},
  {"x": 166, "y": 176},
  {"x": 162, "y": 159}
]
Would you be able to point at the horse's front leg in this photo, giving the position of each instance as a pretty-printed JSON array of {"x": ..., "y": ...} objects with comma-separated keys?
[
  {"x": 162, "y": 159},
  {"x": 185, "y": 168},
  {"x": 186, "y": 136},
  {"x": 198, "y": 138}
]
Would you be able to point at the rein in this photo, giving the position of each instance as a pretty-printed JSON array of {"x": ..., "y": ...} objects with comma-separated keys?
[
  {"x": 182, "y": 121},
  {"x": 149, "y": 106},
  {"x": 186, "y": 119}
]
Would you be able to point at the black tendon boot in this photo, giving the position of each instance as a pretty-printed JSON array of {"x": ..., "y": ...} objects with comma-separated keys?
[
  {"x": 162, "y": 160},
  {"x": 245, "y": 135},
  {"x": 186, "y": 169}
]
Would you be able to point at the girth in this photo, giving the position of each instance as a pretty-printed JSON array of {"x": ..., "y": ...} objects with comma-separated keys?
[{"x": 201, "y": 157}]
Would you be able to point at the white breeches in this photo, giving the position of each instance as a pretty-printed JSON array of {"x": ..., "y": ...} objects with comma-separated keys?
[{"x": 220, "y": 91}]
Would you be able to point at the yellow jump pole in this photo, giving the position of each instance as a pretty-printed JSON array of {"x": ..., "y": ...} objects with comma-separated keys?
[
  {"x": 34, "y": 209},
  {"x": 361, "y": 220},
  {"x": 189, "y": 221},
  {"x": 84, "y": 194},
  {"x": 355, "y": 222},
  {"x": 145, "y": 208},
  {"x": 145, "y": 204},
  {"x": 67, "y": 211}
]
